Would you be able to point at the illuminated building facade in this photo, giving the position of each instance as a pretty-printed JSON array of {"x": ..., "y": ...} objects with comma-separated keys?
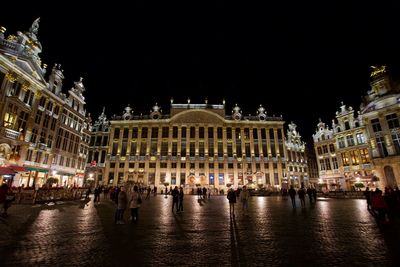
[
  {"x": 44, "y": 131},
  {"x": 197, "y": 145},
  {"x": 380, "y": 112},
  {"x": 296, "y": 158},
  {"x": 362, "y": 150},
  {"x": 98, "y": 149}
]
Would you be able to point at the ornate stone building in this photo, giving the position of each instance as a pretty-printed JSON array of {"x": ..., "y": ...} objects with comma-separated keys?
[
  {"x": 98, "y": 149},
  {"x": 296, "y": 158},
  {"x": 327, "y": 160},
  {"x": 45, "y": 130},
  {"x": 363, "y": 150},
  {"x": 380, "y": 112},
  {"x": 196, "y": 144}
]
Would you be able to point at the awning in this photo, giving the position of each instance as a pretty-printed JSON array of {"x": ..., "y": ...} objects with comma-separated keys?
[
  {"x": 36, "y": 169},
  {"x": 6, "y": 170},
  {"x": 17, "y": 168}
]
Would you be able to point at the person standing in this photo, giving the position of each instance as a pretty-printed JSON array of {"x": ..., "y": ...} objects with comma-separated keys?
[
  {"x": 181, "y": 194},
  {"x": 367, "y": 195},
  {"x": 244, "y": 198},
  {"x": 231, "y": 196},
  {"x": 309, "y": 193},
  {"x": 121, "y": 206},
  {"x": 292, "y": 194},
  {"x": 175, "y": 198},
  {"x": 134, "y": 205}
]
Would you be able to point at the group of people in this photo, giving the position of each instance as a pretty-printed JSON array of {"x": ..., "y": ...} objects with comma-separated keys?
[
  {"x": 301, "y": 192},
  {"x": 383, "y": 205},
  {"x": 125, "y": 200},
  {"x": 177, "y": 199},
  {"x": 243, "y": 196}
]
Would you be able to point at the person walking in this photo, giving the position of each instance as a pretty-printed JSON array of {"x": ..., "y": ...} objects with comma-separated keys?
[
  {"x": 231, "y": 196},
  {"x": 302, "y": 194},
  {"x": 121, "y": 206},
  {"x": 244, "y": 198},
  {"x": 134, "y": 204},
  {"x": 292, "y": 194}
]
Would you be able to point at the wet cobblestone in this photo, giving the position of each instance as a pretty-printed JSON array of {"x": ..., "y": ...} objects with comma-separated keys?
[{"x": 332, "y": 232}]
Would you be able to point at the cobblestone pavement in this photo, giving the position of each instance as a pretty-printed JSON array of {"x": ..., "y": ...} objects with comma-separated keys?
[{"x": 332, "y": 232}]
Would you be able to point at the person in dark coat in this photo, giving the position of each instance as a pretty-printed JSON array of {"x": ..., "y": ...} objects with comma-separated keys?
[
  {"x": 292, "y": 194},
  {"x": 231, "y": 196},
  {"x": 175, "y": 198}
]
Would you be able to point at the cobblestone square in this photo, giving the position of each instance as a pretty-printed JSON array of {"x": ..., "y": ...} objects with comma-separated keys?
[{"x": 331, "y": 232}]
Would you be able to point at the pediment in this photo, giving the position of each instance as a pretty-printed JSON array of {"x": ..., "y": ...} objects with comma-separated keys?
[
  {"x": 29, "y": 68},
  {"x": 197, "y": 116}
]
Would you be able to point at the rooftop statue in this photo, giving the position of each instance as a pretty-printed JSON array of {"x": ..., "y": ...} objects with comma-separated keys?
[{"x": 35, "y": 26}]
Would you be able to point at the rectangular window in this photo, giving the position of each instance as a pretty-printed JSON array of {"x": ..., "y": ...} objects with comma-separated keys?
[
  {"x": 396, "y": 142},
  {"x": 144, "y": 133},
  {"x": 152, "y": 165},
  {"x": 114, "y": 149},
  {"x": 153, "y": 147},
  {"x": 325, "y": 149},
  {"x": 239, "y": 149},
  {"x": 164, "y": 149},
  {"x": 124, "y": 148},
  {"x": 393, "y": 121},
  {"x": 345, "y": 159},
  {"x": 192, "y": 149},
  {"x": 341, "y": 142},
  {"x": 174, "y": 132},
  {"x": 211, "y": 178},
  {"x": 211, "y": 132},
  {"x": 201, "y": 132},
  {"x": 230, "y": 150},
  {"x": 126, "y": 133},
  {"x": 221, "y": 179},
  {"x": 376, "y": 126},
  {"x": 201, "y": 149},
  {"x": 211, "y": 149},
  {"x": 247, "y": 149},
  {"x": 228, "y": 133},
  {"x": 183, "y": 149},
  {"x": 331, "y": 148},
  {"x": 133, "y": 149},
  {"x": 335, "y": 163},
  {"x": 154, "y": 132},
  {"x": 350, "y": 140},
  {"x": 192, "y": 132},
  {"x": 380, "y": 143},
  {"x": 116, "y": 133},
  {"x": 364, "y": 155},
  {"x": 165, "y": 132},
  {"x": 328, "y": 164},
  {"x": 183, "y": 132},
  {"x": 219, "y": 133},
  {"x": 174, "y": 149},
  {"x": 135, "y": 132},
  {"x": 255, "y": 134},
  {"x": 220, "y": 149},
  {"x": 211, "y": 165},
  {"x": 142, "y": 149},
  {"x": 246, "y": 133},
  {"x": 360, "y": 138}
]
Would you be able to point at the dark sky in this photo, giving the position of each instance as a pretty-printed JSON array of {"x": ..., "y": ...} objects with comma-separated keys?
[{"x": 297, "y": 59}]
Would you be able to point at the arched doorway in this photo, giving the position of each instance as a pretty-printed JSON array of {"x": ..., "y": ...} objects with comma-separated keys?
[{"x": 389, "y": 175}]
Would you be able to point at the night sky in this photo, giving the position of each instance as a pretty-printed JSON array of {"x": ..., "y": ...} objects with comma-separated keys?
[{"x": 305, "y": 58}]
